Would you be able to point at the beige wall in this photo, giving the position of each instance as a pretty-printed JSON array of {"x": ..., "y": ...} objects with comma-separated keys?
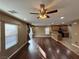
[
  {"x": 0, "y": 36},
  {"x": 22, "y": 34},
  {"x": 39, "y": 31},
  {"x": 75, "y": 33}
]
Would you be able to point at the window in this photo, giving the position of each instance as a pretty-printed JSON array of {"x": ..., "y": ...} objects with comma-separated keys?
[
  {"x": 47, "y": 30},
  {"x": 11, "y": 35}
]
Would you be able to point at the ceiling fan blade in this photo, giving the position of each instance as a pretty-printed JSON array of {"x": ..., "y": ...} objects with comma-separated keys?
[
  {"x": 54, "y": 11},
  {"x": 34, "y": 13}
]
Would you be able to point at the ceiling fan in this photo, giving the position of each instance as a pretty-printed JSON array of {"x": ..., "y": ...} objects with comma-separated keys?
[{"x": 43, "y": 13}]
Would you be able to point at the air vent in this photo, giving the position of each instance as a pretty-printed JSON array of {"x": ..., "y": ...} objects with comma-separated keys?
[{"x": 12, "y": 11}]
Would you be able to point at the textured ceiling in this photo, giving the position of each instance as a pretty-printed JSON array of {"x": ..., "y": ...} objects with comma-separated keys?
[{"x": 66, "y": 8}]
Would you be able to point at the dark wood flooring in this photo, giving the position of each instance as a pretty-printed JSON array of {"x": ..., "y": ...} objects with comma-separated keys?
[{"x": 53, "y": 50}]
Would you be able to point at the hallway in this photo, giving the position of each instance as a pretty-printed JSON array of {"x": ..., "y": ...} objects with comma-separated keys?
[{"x": 51, "y": 48}]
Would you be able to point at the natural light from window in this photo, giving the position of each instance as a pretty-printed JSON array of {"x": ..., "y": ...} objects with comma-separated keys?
[
  {"x": 47, "y": 30},
  {"x": 11, "y": 35}
]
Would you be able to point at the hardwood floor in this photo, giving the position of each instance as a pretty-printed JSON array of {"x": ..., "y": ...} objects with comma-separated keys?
[
  {"x": 53, "y": 50},
  {"x": 29, "y": 52}
]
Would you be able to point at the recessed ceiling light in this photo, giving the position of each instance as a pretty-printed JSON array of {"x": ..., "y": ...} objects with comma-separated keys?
[
  {"x": 61, "y": 17},
  {"x": 75, "y": 23},
  {"x": 52, "y": 23},
  {"x": 62, "y": 22},
  {"x": 24, "y": 18}
]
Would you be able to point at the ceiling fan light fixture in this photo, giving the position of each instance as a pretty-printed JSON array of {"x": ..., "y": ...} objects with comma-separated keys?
[
  {"x": 42, "y": 16},
  {"x": 43, "y": 13}
]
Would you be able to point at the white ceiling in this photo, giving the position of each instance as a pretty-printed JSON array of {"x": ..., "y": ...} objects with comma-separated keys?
[{"x": 69, "y": 9}]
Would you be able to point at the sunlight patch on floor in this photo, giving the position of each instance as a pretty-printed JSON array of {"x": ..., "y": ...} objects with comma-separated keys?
[{"x": 42, "y": 51}]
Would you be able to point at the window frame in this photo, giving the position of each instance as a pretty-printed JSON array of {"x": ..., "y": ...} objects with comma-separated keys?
[
  {"x": 17, "y": 35},
  {"x": 47, "y": 30}
]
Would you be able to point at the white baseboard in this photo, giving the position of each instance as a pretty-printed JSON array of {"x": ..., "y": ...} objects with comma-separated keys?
[{"x": 67, "y": 46}]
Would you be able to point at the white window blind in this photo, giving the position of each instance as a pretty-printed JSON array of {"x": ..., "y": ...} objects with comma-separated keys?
[{"x": 11, "y": 35}]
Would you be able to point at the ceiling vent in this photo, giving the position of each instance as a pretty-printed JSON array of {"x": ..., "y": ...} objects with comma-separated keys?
[{"x": 13, "y": 11}]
